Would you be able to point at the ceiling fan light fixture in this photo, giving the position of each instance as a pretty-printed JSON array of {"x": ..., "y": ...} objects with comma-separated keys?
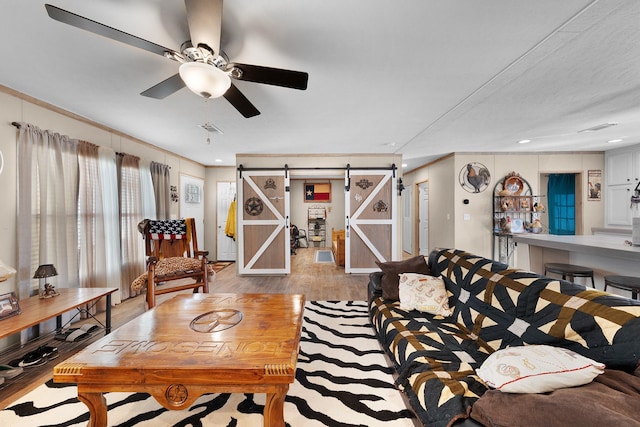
[{"x": 204, "y": 79}]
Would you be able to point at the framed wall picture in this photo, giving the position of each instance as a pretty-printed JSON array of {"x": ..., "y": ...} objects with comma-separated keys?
[
  {"x": 192, "y": 193},
  {"x": 317, "y": 192},
  {"x": 9, "y": 305},
  {"x": 594, "y": 185}
]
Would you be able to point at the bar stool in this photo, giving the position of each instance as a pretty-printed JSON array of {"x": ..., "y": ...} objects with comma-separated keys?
[
  {"x": 569, "y": 271},
  {"x": 626, "y": 283}
]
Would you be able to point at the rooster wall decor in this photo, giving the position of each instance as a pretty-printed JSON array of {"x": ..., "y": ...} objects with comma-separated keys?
[{"x": 475, "y": 177}]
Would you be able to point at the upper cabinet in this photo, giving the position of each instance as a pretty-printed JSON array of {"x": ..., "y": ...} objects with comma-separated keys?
[
  {"x": 622, "y": 176},
  {"x": 622, "y": 167}
]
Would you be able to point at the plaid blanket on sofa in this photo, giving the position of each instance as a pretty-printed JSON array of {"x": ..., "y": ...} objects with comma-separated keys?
[{"x": 496, "y": 307}]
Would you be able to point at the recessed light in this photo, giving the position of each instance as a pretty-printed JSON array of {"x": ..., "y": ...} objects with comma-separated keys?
[
  {"x": 218, "y": 160},
  {"x": 524, "y": 141},
  {"x": 404, "y": 165},
  {"x": 613, "y": 141}
]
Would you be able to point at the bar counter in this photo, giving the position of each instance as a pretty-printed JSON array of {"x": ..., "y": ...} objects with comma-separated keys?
[{"x": 605, "y": 253}]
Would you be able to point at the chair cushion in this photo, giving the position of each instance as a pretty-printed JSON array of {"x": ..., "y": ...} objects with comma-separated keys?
[{"x": 169, "y": 265}]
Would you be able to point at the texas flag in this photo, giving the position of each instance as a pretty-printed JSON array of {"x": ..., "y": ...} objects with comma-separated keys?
[{"x": 317, "y": 192}]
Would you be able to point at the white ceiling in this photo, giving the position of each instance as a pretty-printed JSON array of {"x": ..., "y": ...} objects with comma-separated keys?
[{"x": 418, "y": 77}]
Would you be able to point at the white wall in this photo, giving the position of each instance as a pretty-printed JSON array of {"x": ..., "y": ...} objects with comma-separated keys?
[{"x": 447, "y": 210}]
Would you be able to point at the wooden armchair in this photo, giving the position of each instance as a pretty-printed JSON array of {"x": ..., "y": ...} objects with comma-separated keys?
[
  {"x": 337, "y": 245},
  {"x": 172, "y": 250}
]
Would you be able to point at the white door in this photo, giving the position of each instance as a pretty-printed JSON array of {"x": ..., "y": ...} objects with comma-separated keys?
[
  {"x": 264, "y": 240},
  {"x": 423, "y": 221},
  {"x": 192, "y": 204},
  {"x": 226, "y": 246},
  {"x": 370, "y": 218}
]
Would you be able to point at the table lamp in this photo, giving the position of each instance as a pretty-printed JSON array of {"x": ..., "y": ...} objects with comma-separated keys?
[{"x": 44, "y": 271}]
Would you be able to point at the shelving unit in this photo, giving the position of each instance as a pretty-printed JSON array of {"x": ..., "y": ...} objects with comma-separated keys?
[
  {"x": 515, "y": 211},
  {"x": 317, "y": 226}
]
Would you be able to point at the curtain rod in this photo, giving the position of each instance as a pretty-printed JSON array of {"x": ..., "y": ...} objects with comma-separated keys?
[{"x": 16, "y": 124}]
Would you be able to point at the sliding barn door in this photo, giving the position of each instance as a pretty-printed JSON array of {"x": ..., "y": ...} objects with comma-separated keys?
[
  {"x": 371, "y": 211},
  {"x": 263, "y": 223}
]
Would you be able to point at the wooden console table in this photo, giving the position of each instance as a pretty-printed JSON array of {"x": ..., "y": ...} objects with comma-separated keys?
[{"x": 35, "y": 310}]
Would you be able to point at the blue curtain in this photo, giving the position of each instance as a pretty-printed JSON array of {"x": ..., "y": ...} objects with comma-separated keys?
[{"x": 561, "y": 192}]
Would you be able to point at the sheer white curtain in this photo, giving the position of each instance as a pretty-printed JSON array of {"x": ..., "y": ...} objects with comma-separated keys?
[
  {"x": 90, "y": 238},
  {"x": 133, "y": 262},
  {"x": 78, "y": 208},
  {"x": 47, "y": 211},
  {"x": 111, "y": 221},
  {"x": 99, "y": 237},
  {"x": 47, "y": 207}
]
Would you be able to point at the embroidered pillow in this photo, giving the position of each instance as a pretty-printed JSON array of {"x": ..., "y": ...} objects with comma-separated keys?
[
  {"x": 392, "y": 269},
  {"x": 537, "y": 369},
  {"x": 423, "y": 293}
]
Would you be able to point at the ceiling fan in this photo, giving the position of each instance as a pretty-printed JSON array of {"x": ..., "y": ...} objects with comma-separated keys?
[{"x": 205, "y": 68}]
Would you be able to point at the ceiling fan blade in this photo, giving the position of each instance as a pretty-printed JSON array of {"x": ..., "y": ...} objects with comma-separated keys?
[
  {"x": 205, "y": 22},
  {"x": 78, "y": 21},
  {"x": 165, "y": 87},
  {"x": 240, "y": 102},
  {"x": 273, "y": 76}
]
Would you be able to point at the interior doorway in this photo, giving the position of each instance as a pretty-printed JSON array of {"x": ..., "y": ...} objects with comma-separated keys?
[
  {"x": 423, "y": 218},
  {"x": 225, "y": 196},
  {"x": 563, "y": 196}
]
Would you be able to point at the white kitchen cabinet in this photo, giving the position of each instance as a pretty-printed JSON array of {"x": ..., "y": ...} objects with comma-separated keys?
[{"x": 621, "y": 177}]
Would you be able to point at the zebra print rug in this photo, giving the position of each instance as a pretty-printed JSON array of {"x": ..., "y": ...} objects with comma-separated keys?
[{"x": 342, "y": 379}]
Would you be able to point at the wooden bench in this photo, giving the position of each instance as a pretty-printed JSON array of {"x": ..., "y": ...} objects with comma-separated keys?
[{"x": 337, "y": 245}]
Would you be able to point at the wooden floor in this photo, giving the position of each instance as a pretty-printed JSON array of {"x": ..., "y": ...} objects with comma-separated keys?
[{"x": 318, "y": 281}]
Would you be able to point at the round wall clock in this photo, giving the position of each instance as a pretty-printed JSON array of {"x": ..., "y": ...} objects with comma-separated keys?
[{"x": 475, "y": 177}]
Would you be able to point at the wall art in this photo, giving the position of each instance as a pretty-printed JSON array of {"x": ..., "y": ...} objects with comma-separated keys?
[
  {"x": 474, "y": 177},
  {"x": 594, "y": 185},
  {"x": 317, "y": 192},
  {"x": 192, "y": 193}
]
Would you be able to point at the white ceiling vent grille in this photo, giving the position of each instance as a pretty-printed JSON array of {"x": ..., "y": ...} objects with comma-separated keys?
[
  {"x": 209, "y": 127},
  {"x": 598, "y": 127}
]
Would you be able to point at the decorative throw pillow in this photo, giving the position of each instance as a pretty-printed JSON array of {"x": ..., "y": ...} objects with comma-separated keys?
[
  {"x": 391, "y": 271},
  {"x": 423, "y": 293},
  {"x": 537, "y": 369}
]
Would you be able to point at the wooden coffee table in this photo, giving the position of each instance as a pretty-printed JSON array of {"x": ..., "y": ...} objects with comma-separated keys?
[{"x": 191, "y": 345}]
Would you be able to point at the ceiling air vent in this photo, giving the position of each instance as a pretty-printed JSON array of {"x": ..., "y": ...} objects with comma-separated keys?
[
  {"x": 598, "y": 127},
  {"x": 210, "y": 128}
]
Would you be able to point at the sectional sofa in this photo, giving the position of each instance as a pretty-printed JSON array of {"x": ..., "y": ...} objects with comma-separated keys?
[{"x": 491, "y": 309}]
